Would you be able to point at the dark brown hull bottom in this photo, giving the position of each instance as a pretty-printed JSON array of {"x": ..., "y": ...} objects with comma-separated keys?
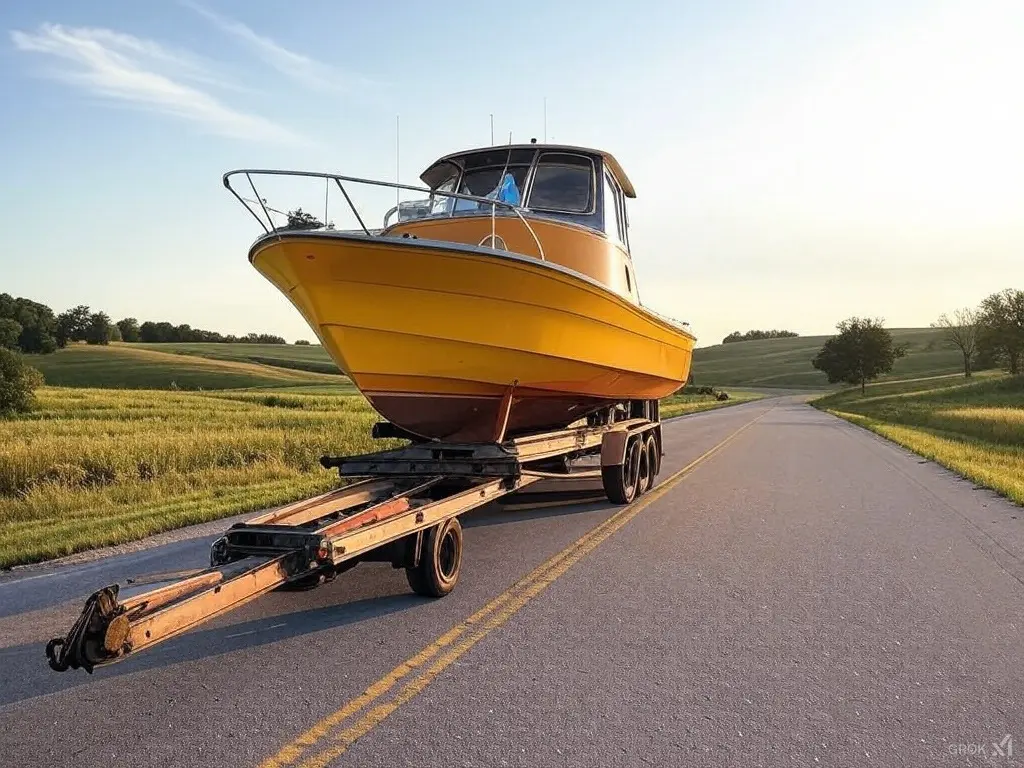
[{"x": 466, "y": 418}]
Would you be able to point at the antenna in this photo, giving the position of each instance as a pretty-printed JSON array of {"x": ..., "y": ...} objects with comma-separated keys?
[
  {"x": 398, "y": 165},
  {"x": 545, "y": 119},
  {"x": 492, "y": 129},
  {"x": 501, "y": 178}
]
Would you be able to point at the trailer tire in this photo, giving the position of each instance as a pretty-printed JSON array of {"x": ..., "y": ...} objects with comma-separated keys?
[
  {"x": 644, "y": 476},
  {"x": 440, "y": 560},
  {"x": 653, "y": 457},
  {"x": 621, "y": 480}
]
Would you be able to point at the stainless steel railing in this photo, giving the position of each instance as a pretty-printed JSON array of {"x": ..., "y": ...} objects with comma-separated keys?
[{"x": 340, "y": 181}]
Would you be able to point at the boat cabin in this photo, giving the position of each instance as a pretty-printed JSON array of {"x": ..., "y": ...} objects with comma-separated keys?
[{"x": 575, "y": 185}]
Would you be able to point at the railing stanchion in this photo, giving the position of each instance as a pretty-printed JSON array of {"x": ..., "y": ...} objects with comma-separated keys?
[{"x": 353, "y": 207}]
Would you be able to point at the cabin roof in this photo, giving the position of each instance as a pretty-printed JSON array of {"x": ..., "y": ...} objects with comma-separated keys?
[{"x": 610, "y": 162}]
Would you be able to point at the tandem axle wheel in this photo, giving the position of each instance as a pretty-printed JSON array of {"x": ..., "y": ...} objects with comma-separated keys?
[{"x": 634, "y": 476}]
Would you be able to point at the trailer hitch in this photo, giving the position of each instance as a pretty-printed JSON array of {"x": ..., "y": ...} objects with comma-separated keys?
[{"x": 97, "y": 636}]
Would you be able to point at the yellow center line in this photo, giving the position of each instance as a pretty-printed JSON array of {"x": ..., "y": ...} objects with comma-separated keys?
[{"x": 463, "y": 636}]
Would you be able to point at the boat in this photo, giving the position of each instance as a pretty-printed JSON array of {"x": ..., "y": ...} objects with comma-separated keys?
[{"x": 503, "y": 301}]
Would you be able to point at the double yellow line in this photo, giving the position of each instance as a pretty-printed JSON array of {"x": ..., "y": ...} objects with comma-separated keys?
[{"x": 440, "y": 654}]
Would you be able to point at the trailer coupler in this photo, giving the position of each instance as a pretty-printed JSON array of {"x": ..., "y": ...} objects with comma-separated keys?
[{"x": 98, "y": 635}]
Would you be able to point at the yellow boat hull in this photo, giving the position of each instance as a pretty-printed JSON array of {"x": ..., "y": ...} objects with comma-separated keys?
[{"x": 436, "y": 334}]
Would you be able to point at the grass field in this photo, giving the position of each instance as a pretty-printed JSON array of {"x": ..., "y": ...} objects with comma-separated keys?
[
  {"x": 975, "y": 429},
  {"x": 131, "y": 366},
  {"x": 95, "y": 467},
  {"x": 787, "y": 362},
  {"x": 303, "y": 358}
]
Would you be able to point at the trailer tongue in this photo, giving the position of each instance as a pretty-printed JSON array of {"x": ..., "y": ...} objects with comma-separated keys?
[{"x": 405, "y": 512}]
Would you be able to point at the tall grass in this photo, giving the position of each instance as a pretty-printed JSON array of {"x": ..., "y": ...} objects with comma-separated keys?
[{"x": 99, "y": 467}]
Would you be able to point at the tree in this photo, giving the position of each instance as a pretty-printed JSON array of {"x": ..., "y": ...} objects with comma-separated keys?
[
  {"x": 862, "y": 351},
  {"x": 301, "y": 343},
  {"x": 18, "y": 382},
  {"x": 10, "y": 332},
  {"x": 756, "y": 335},
  {"x": 300, "y": 219},
  {"x": 961, "y": 332},
  {"x": 98, "y": 331},
  {"x": 38, "y": 325},
  {"x": 1001, "y": 331},
  {"x": 115, "y": 332},
  {"x": 129, "y": 328},
  {"x": 73, "y": 324}
]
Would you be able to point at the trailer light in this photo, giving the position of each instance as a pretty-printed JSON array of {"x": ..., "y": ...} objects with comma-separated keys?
[{"x": 323, "y": 552}]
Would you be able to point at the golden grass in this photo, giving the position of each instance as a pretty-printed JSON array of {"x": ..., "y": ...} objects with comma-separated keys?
[
  {"x": 975, "y": 429},
  {"x": 997, "y": 467},
  {"x": 96, "y": 467}
]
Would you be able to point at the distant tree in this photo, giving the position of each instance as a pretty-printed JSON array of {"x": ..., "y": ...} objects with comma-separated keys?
[
  {"x": 301, "y": 343},
  {"x": 73, "y": 324},
  {"x": 961, "y": 332},
  {"x": 862, "y": 351},
  {"x": 300, "y": 219},
  {"x": 129, "y": 328},
  {"x": 18, "y": 382},
  {"x": 98, "y": 331},
  {"x": 10, "y": 332},
  {"x": 757, "y": 335},
  {"x": 1001, "y": 329},
  {"x": 115, "y": 332}
]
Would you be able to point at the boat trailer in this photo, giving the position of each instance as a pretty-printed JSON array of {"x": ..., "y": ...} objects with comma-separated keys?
[{"x": 399, "y": 506}]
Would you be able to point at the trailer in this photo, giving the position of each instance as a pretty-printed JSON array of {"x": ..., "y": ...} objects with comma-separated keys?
[{"x": 400, "y": 506}]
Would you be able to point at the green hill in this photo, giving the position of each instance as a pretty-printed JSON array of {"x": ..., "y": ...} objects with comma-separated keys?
[
  {"x": 124, "y": 366},
  {"x": 302, "y": 358},
  {"x": 787, "y": 362}
]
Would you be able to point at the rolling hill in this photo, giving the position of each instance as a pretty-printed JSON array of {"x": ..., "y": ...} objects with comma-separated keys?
[
  {"x": 130, "y": 366},
  {"x": 784, "y": 363},
  {"x": 787, "y": 362}
]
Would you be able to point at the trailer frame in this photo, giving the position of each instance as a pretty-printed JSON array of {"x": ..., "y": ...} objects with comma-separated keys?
[{"x": 400, "y": 506}]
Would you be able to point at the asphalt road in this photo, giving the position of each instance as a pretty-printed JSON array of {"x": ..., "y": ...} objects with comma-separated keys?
[{"x": 808, "y": 594}]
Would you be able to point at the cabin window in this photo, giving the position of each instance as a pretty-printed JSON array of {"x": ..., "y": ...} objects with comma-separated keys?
[
  {"x": 563, "y": 183},
  {"x": 441, "y": 203},
  {"x": 612, "y": 222},
  {"x": 485, "y": 181}
]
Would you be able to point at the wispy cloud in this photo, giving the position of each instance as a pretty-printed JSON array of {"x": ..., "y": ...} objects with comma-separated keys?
[
  {"x": 146, "y": 74},
  {"x": 303, "y": 69}
]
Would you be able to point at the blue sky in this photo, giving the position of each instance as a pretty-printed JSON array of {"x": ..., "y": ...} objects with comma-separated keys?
[{"x": 796, "y": 162}]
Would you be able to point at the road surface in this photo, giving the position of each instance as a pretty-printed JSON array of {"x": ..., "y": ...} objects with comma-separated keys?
[{"x": 807, "y": 594}]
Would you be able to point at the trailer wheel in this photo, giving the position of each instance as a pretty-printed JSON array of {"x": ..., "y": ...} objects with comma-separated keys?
[
  {"x": 653, "y": 457},
  {"x": 644, "y": 476},
  {"x": 620, "y": 480},
  {"x": 440, "y": 560}
]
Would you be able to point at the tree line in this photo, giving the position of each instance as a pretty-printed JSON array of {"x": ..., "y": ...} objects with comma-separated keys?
[
  {"x": 989, "y": 336},
  {"x": 755, "y": 335},
  {"x": 33, "y": 328}
]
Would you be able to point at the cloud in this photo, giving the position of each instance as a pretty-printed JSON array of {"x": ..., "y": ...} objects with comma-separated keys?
[
  {"x": 313, "y": 74},
  {"x": 144, "y": 73}
]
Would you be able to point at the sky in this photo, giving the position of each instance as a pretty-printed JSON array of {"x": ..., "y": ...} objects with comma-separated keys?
[{"x": 796, "y": 162}]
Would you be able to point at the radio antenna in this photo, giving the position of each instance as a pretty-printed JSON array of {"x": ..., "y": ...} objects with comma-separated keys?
[
  {"x": 398, "y": 165},
  {"x": 492, "y": 129}
]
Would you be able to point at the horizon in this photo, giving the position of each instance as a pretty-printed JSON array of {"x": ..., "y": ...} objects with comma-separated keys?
[{"x": 794, "y": 166}]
